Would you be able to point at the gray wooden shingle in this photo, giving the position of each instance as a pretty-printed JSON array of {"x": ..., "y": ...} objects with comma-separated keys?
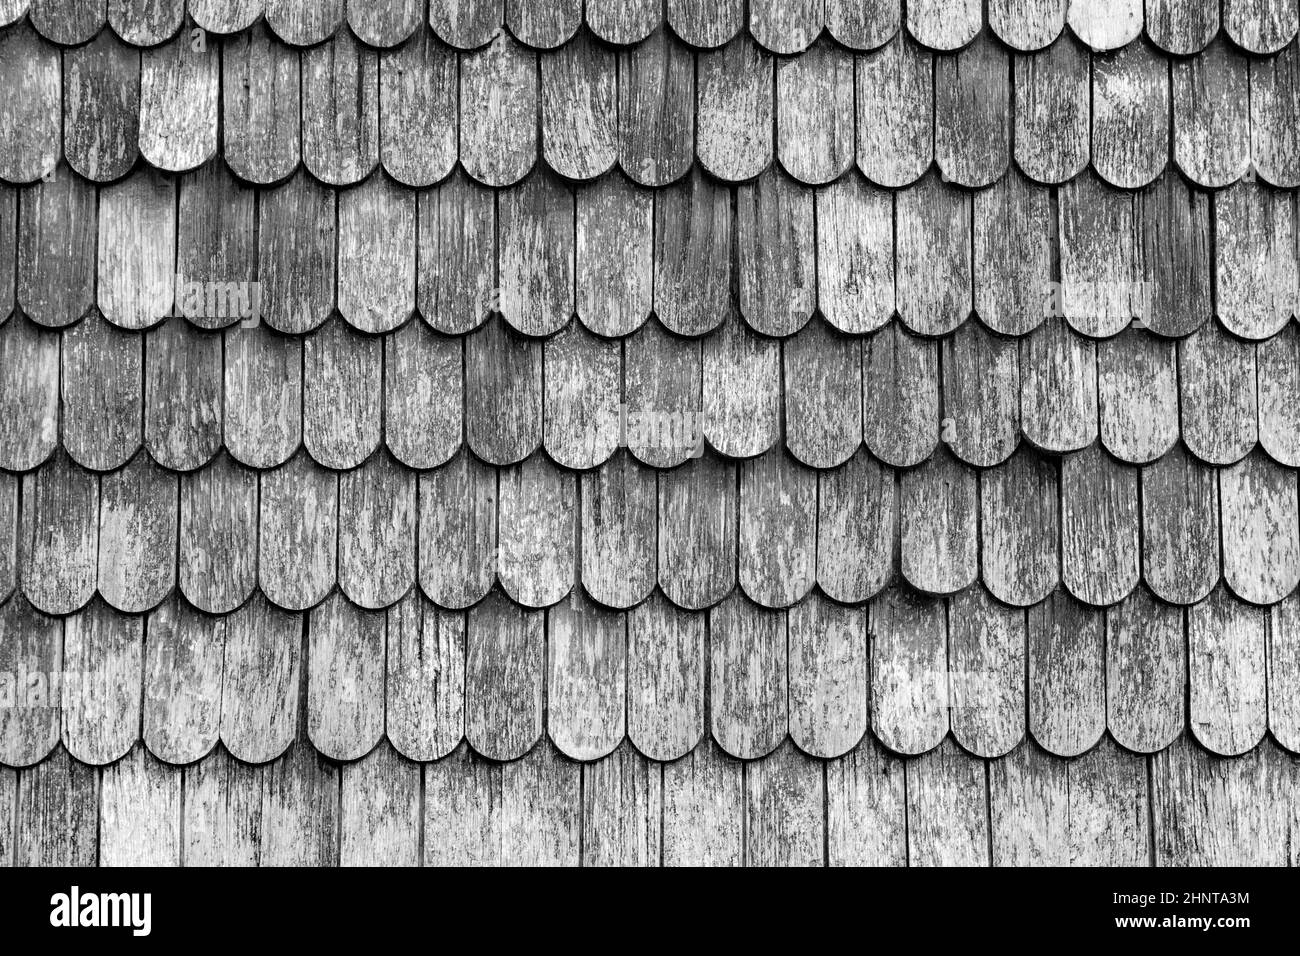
[
  {"x": 986, "y": 673},
  {"x": 698, "y": 532},
  {"x": 101, "y": 126},
  {"x": 1227, "y": 650},
  {"x": 814, "y": 113},
  {"x": 418, "y": 110},
  {"x": 734, "y": 109},
  {"x": 656, "y": 96},
  {"x": 377, "y": 526},
  {"x": 855, "y": 529},
  {"x": 424, "y": 709},
  {"x": 182, "y": 395},
  {"x": 346, "y": 650},
  {"x": 1067, "y": 676},
  {"x": 504, "y": 672},
  {"x": 260, "y": 106},
  {"x": 59, "y": 544},
  {"x": 748, "y": 689},
  {"x": 1146, "y": 672},
  {"x": 183, "y": 662},
  {"x": 29, "y": 394},
  {"x": 586, "y": 678},
  {"x": 665, "y": 678},
  {"x": 458, "y": 540},
  {"x": 137, "y": 535},
  {"x": 218, "y": 528},
  {"x": 537, "y": 533},
  {"x": 297, "y": 540},
  {"x": 829, "y": 682},
  {"x": 778, "y": 529},
  {"x": 29, "y": 145},
  {"x": 619, "y": 531}
]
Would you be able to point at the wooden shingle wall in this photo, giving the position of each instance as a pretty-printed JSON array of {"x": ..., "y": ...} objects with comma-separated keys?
[{"x": 768, "y": 432}]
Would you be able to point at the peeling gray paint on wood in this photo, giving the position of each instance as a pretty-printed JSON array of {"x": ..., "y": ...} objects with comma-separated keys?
[
  {"x": 296, "y": 254},
  {"x": 1099, "y": 261},
  {"x": 376, "y": 255},
  {"x": 503, "y": 393},
  {"x": 29, "y": 393},
  {"x": 377, "y": 522},
  {"x": 537, "y": 532},
  {"x": 546, "y": 24},
  {"x": 418, "y": 88},
  {"x": 579, "y": 110},
  {"x": 1261, "y": 533},
  {"x": 855, "y": 529},
  {"x": 943, "y": 26},
  {"x": 855, "y": 255},
  {"x": 182, "y": 395},
  {"x": 385, "y": 25},
  {"x": 862, "y": 26},
  {"x": 785, "y": 810},
  {"x": 1067, "y": 677},
  {"x": 932, "y": 230},
  {"x": 297, "y": 544},
  {"x": 31, "y": 648},
  {"x": 895, "y": 98},
  {"x": 1130, "y": 105},
  {"x": 656, "y": 97},
  {"x": 909, "y": 671},
  {"x": 1012, "y": 254},
  {"x": 623, "y": 21},
  {"x": 829, "y": 685},
  {"x": 693, "y": 228},
  {"x": 263, "y": 396},
  {"x": 814, "y": 113},
  {"x": 938, "y": 520},
  {"x": 58, "y": 547},
  {"x": 137, "y": 531},
  {"x": 467, "y": 24},
  {"x": 342, "y": 395},
  {"x": 581, "y": 421},
  {"x": 101, "y": 127},
  {"x": 535, "y": 261},
  {"x": 225, "y": 16},
  {"x": 774, "y": 252},
  {"x": 1273, "y": 93},
  {"x": 1211, "y": 123},
  {"x": 1180, "y": 528},
  {"x": 1020, "y": 528},
  {"x": 1174, "y": 221},
  {"x": 304, "y": 24},
  {"x": 1137, "y": 389},
  {"x": 1277, "y": 368},
  {"x": 56, "y": 249},
  {"x": 178, "y": 104},
  {"x": 1283, "y": 674},
  {"x": 866, "y": 812},
  {"x": 458, "y": 541},
  {"x": 698, "y": 532},
  {"x": 823, "y": 404},
  {"x": 1099, "y": 527},
  {"x": 1255, "y": 260},
  {"x": 505, "y": 670},
  {"x": 663, "y": 382},
  {"x": 498, "y": 100},
  {"x": 30, "y": 116},
  {"x": 1180, "y": 27},
  {"x": 742, "y": 391},
  {"x": 972, "y": 111},
  {"x": 619, "y": 544},
  {"x": 615, "y": 256},
  {"x": 900, "y": 396},
  {"x": 58, "y": 801},
  {"x": 981, "y": 395}
]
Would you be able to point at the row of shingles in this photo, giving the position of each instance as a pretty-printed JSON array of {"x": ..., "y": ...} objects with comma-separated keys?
[
  {"x": 1178, "y": 808},
  {"x": 420, "y": 109},
  {"x": 782, "y": 26},
  {"x": 911, "y": 667}
]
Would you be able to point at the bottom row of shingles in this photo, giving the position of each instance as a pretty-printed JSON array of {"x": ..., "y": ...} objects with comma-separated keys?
[{"x": 1181, "y": 806}]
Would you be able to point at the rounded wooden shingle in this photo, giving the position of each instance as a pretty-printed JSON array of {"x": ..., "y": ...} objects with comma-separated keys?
[
  {"x": 986, "y": 673},
  {"x": 1058, "y": 391},
  {"x": 862, "y": 25},
  {"x": 179, "y": 90},
  {"x": 1284, "y": 673},
  {"x": 1256, "y": 270},
  {"x": 102, "y": 390},
  {"x": 57, "y": 227},
  {"x": 67, "y": 22},
  {"x": 1260, "y": 26},
  {"x": 1216, "y": 378},
  {"x": 182, "y": 395},
  {"x": 900, "y": 396},
  {"x": 296, "y": 253},
  {"x": 623, "y": 21},
  {"x": 505, "y": 672},
  {"x": 137, "y": 250},
  {"x": 225, "y": 16},
  {"x": 537, "y": 532},
  {"x": 503, "y": 393},
  {"x": 30, "y": 118},
  {"x": 29, "y": 394},
  {"x": 981, "y": 395},
  {"x": 263, "y": 396},
  {"x": 1277, "y": 369},
  {"x": 938, "y": 516},
  {"x": 377, "y": 521},
  {"x": 31, "y": 647},
  {"x": 137, "y": 535},
  {"x": 216, "y": 251},
  {"x": 101, "y": 126},
  {"x": 424, "y": 395},
  {"x": 1261, "y": 529},
  {"x": 615, "y": 256},
  {"x": 579, "y": 109},
  {"x": 1027, "y": 25},
  {"x": 376, "y": 270},
  {"x": 458, "y": 531},
  {"x": 544, "y": 24},
  {"x": 1174, "y": 233},
  {"x": 619, "y": 531},
  {"x": 944, "y": 25},
  {"x": 785, "y": 26},
  {"x": 418, "y": 92},
  {"x": 1099, "y": 526},
  {"x": 298, "y": 533},
  {"x": 823, "y": 396},
  {"x": 260, "y": 106},
  {"x": 748, "y": 683},
  {"x": 855, "y": 529},
  {"x": 972, "y": 114},
  {"x": 586, "y": 682},
  {"x": 1105, "y": 24},
  {"x": 895, "y": 113},
  {"x": 932, "y": 235},
  {"x": 346, "y": 651},
  {"x": 342, "y": 395},
  {"x": 8, "y": 535},
  {"x": 425, "y": 679},
  {"x": 855, "y": 254},
  {"x": 101, "y": 705},
  {"x": 182, "y": 682},
  {"x": 535, "y": 256},
  {"x": 1137, "y": 389},
  {"x": 1227, "y": 700},
  {"x": 734, "y": 110},
  {"x": 498, "y": 112},
  {"x": 340, "y": 110},
  {"x": 466, "y": 24},
  {"x": 1211, "y": 118},
  {"x": 909, "y": 671},
  {"x": 1053, "y": 105},
  {"x": 656, "y": 110},
  {"x": 775, "y": 254},
  {"x": 1146, "y": 672},
  {"x": 778, "y": 529},
  {"x": 829, "y": 685},
  {"x": 1180, "y": 525},
  {"x": 692, "y": 242},
  {"x": 706, "y": 23},
  {"x": 663, "y": 391},
  {"x": 698, "y": 532},
  {"x": 218, "y": 536},
  {"x": 456, "y": 285},
  {"x": 742, "y": 391},
  {"x": 1020, "y": 529},
  {"x": 304, "y": 22},
  {"x": 784, "y": 810},
  {"x": 1100, "y": 292},
  {"x": 1067, "y": 685},
  {"x": 582, "y": 423},
  {"x": 1274, "y": 107},
  {"x": 386, "y": 24},
  {"x": 260, "y": 680},
  {"x": 1130, "y": 115},
  {"x": 1013, "y": 251},
  {"x": 665, "y": 678},
  {"x": 814, "y": 113},
  {"x": 1182, "y": 27}
]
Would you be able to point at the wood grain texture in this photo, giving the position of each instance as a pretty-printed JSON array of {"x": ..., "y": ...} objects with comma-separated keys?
[
  {"x": 866, "y": 815},
  {"x": 1256, "y": 272},
  {"x": 418, "y": 103},
  {"x": 140, "y": 812},
  {"x": 829, "y": 685},
  {"x": 137, "y": 535},
  {"x": 972, "y": 114},
  {"x": 1130, "y": 109},
  {"x": 57, "y": 814},
  {"x": 1020, "y": 529},
  {"x": 67, "y": 22},
  {"x": 424, "y": 396},
  {"x": 1277, "y": 370},
  {"x": 986, "y": 673},
  {"x": 1274, "y": 99},
  {"x": 1211, "y": 119},
  {"x": 101, "y": 688},
  {"x": 778, "y": 529},
  {"x": 579, "y": 112},
  {"x": 944, "y": 26},
  {"x": 300, "y": 811},
  {"x": 932, "y": 233},
  {"x": 1261, "y": 535},
  {"x": 1099, "y": 527},
  {"x": 1105, "y": 24},
  {"x": 216, "y": 255},
  {"x": 183, "y": 663},
  {"x": 498, "y": 118},
  {"x": 698, "y": 532},
  {"x": 1058, "y": 387},
  {"x": 734, "y": 109},
  {"x": 900, "y": 396},
  {"x": 614, "y": 248},
  {"x": 261, "y": 680},
  {"x": 342, "y": 395},
  {"x": 706, "y": 23},
  {"x": 31, "y": 650},
  {"x": 1137, "y": 391},
  {"x": 704, "y": 809},
  {"x": 663, "y": 388},
  {"x": 1212, "y": 811},
  {"x": 297, "y": 239},
  {"x": 947, "y": 809},
  {"x": 1053, "y": 112},
  {"x": 298, "y": 533},
  {"x": 455, "y": 288},
  {"x": 1181, "y": 28},
  {"x": 693, "y": 230},
  {"x": 619, "y": 531},
  {"x": 179, "y": 90},
  {"x": 665, "y": 679},
  {"x": 222, "y": 811},
  {"x": 1180, "y": 527},
  {"x": 182, "y": 395},
  {"x": 1067, "y": 680},
  {"x": 458, "y": 531},
  {"x": 748, "y": 696},
  {"x": 537, "y": 532},
  {"x": 862, "y": 26},
  {"x": 377, "y": 522},
  {"x": 1283, "y": 672},
  {"x": 1216, "y": 377},
  {"x": 775, "y": 252},
  {"x": 547, "y": 24},
  {"x": 938, "y": 523},
  {"x": 581, "y": 423},
  {"x": 1099, "y": 292},
  {"x": 57, "y": 226},
  {"x": 823, "y": 395},
  {"x": 586, "y": 678},
  {"x": 260, "y": 106},
  {"x": 855, "y": 529},
  {"x": 304, "y": 24},
  {"x": 1175, "y": 234},
  {"x": 1146, "y": 672},
  {"x": 466, "y": 24},
  {"x": 30, "y": 116},
  {"x": 785, "y": 26},
  {"x": 137, "y": 251},
  {"x": 1261, "y": 26},
  {"x": 340, "y": 110},
  {"x": 785, "y": 807},
  {"x": 622, "y": 810},
  {"x": 855, "y": 255},
  {"x": 1027, "y": 25},
  {"x": 388, "y": 24},
  {"x": 8, "y": 535},
  {"x": 504, "y": 676},
  {"x": 8, "y": 250},
  {"x": 346, "y": 650},
  {"x": 225, "y": 16},
  {"x": 29, "y": 393},
  {"x": 623, "y": 21},
  {"x": 101, "y": 126},
  {"x": 58, "y": 548},
  {"x": 895, "y": 109},
  {"x": 1012, "y": 254},
  {"x": 379, "y": 811},
  {"x": 535, "y": 262},
  {"x": 742, "y": 391},
  {"x": 1050, "y": 812},
  {"x": 814, "y": 113},
  {"x": 981, "y": 395},
  {"x": 656, "y": 97},
  {"x": 424, "y": 709},
  {"x": 909, "y": 671},
  {"x": 376, "y": 278},
  {"x": 263, "y": 396}
]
